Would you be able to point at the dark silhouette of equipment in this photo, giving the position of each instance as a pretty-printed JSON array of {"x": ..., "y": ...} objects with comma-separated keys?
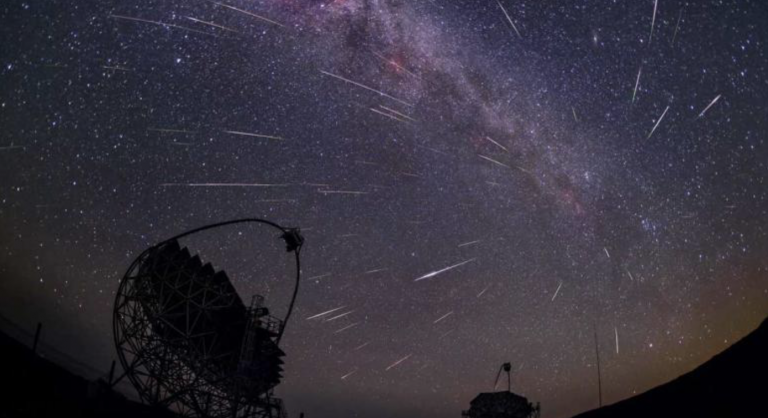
[
  {"x": 507, "y": 367},
  {"x": 503, "y": 404},
  {"x": 187, "y": 341}
]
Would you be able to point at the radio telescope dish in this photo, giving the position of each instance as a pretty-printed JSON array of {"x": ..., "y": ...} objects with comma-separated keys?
[{"x": 188, "y": 342}]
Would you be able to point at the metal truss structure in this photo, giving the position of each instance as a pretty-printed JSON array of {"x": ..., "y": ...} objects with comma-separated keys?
[{"x": 188, "y": 343}]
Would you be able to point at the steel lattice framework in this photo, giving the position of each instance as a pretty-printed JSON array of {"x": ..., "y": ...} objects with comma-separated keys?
[{"x": 188, "y": 343}]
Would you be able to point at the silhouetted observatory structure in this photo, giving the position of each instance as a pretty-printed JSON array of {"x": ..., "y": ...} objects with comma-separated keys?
[
  {"x": 733, "y": 383},
  {"x": 502, "y": 404},
  {"x": 188, "y": 342}
]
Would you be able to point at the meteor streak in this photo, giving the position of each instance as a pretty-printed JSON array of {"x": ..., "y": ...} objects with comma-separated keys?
[
  {"x": 653, "y": 21},
  {"x": 557, "y": 291},
  {"x": 393, "y": 63},
  {"x": 254, "y": 135},
  {"x": 326, "y": 313},
  {"x": 211, "y": 24},
  {"x": 710, "y": 105},
  {"x": 483, "y": 291},
  {"x": 435, "y": 273},
  {"x": 677, "y": 26},
  {"x": 616, "y": 331},
  {"x": 403, "y": 173},
  {"x": 361, "y": 345},
  {"x": 222, "y": 185},
  {"x": 348, "y": 374},
  {"x": 509, "y": 19},
  {"x": 361, "y": 85},
  {"x": 398, "y": 113},
  {"x": 502, "y": 164},
  {"x": 496, "y": 143},
  {"x": 637, "y": 84},
  {"x": 493, "y": 161},
  {"x": 658, "y": 122},
  {"x": 469, "y": 243},
  {"x": 346, "y": 328},
  {"x": 154, "y": 22},
  {"x": 249, "y": 13},
  {"x": 167, "y": 130},
  {"x": 398, "y": 362},
  {"x": 353, "y": 192},
  {"x": 393, "y": 117},
  {"x": 338, "y": 316},
  {"x": 443, "y": 317},
  {"x": 115, "y": 68}
]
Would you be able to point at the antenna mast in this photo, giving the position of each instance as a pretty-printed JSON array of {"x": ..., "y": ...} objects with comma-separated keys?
[{"x": 599, "y": 378}]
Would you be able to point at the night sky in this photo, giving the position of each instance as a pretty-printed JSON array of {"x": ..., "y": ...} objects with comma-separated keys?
[{"x": 477, "y": 182}]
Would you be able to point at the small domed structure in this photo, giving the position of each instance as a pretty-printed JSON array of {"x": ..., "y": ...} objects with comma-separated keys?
[{"x": 503, "y": 404}]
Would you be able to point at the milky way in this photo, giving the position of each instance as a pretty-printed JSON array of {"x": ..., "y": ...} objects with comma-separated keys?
[{"x": 477, "y": 181}]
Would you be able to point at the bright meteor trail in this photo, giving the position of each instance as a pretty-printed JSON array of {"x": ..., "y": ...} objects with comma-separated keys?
[
  {"x": 443, "y": 317},
  {"x": 557, "y": 291},
  {"x": 496, "y": 143},
  {"x": 398, "y": 362},
  {"x": 253, "y": 135},
  {"x": 653, "y": 21},
  {"x": 658, "y": 122},
  {"x": 435, "y": 273},
  {"x": 326, "y": 312},
  {"x": 509, "y": 19},
  {"x": 637, "y": 84},
  {"x": 710, "y": 105},
  {"x": 223, "y": 185},
  {"x": 251, "y": 14},
  {"x": 361, "y": 85}
]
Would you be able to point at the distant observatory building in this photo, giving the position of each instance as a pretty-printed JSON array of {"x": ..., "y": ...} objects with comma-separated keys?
[{"x": 503, "y": 404}]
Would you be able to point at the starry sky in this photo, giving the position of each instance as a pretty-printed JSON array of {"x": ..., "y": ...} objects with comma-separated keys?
[{"x": 477, "y": 182}]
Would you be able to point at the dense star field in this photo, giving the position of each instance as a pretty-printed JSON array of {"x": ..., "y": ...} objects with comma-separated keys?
[{"x": 477, "y": 182}]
